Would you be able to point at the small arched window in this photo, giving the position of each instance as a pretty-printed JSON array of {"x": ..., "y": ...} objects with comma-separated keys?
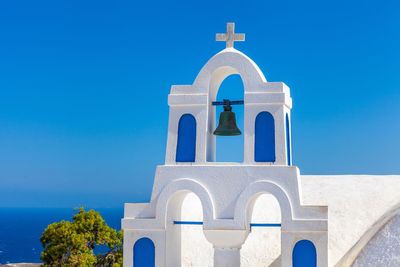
[
  {"x": 186, "y": 145},
  {"x": 144, "y": 253},
  {"x": 304, "y": 254},
  {"x": 264, "y": 145}
]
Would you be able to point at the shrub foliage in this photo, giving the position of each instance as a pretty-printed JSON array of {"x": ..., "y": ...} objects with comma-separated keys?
[{"x": 73, "y": 243}]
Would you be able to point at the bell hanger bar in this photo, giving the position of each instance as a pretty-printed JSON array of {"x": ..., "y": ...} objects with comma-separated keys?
[{"x": 227, "y": 102}]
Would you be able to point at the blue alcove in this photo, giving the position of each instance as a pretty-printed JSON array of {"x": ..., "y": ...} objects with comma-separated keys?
[
  {"x": 288, "y": 141},
  {"x": 304, "y": 254},
  {"x": 186, "y": 146},
  {"x": 144, "y": 253},
  {"x": 264, "y": 150}
]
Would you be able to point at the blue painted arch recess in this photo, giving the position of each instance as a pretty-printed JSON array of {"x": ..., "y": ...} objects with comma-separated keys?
[
  {"x": 304, "y": 254},
  {"x": 264, "y": 145},
  {"x": 186, "y": 144},
  {"x": 144, "y": 253}
]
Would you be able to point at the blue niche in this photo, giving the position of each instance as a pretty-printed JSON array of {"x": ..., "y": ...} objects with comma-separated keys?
[
  {"x": 264, "y": 150},
  {"x": 144, "y": 253},
  {"x": 288, "y": 141},
  {"x": 304, "y": 254},
  {"x": 186, "y": 146}
]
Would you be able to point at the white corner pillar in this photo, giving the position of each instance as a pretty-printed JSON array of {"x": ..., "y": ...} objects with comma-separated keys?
[
  {"x": 128, "y": 249},
  {"x": 227, "y": 245},
  {"x": 280, "y": 136}
]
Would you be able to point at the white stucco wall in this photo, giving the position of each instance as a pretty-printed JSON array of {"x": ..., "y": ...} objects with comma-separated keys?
[
  {"x": 196, "y": 250},
  {"x": 356, "y": 203}
]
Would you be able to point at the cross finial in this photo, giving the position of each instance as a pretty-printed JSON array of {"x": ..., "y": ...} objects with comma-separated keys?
[{"x": 230, "y": 36}]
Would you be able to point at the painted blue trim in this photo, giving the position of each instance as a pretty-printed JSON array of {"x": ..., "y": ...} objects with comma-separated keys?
[
  {"x": 251, "y": 225},
  {"x": 264, "y": 144},
  {"x": 188, "y": 222},
  {"x": 265, "y": 225},
  {"x": 288, "y": 141},
  {"x": 304, "y": 254},
  {"x": 186, "y": 144},
  {"x": 144, "y": 253}
]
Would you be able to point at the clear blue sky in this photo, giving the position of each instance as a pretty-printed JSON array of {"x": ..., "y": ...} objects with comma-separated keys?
[{"x": 84, "y": 85}]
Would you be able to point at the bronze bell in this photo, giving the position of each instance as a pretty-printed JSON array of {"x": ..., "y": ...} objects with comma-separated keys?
[{"x": 227, "y": 122}]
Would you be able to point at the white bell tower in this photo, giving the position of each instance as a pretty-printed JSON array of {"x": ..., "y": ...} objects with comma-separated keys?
[
  {"x": 260, "y": 96},
  {"x": 227, "y": 191}
]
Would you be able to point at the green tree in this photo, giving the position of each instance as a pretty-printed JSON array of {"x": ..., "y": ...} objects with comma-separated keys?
[{"x": 68, "y": 243}]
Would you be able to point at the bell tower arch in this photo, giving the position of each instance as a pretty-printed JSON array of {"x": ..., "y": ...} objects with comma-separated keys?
[{"x": 259, "y": 96}]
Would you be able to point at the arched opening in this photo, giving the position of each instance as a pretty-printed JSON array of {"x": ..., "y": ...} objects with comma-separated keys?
[
  {"x": 288, "y": 141},
  {"x": 144, "y": 253},
  {"x": 186, "y": 243},
  {"x": 196, "y": 250},
  {"x": 263, "y": 245},
  {"x": 230, "y": 148},
  {"x": 304, "y": 254},
  {"x": 186, "y": 144},
  {"x": 264, "y": 145}
]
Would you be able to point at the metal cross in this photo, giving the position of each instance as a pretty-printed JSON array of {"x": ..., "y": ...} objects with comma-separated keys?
[{"x": 230, "y": 36}]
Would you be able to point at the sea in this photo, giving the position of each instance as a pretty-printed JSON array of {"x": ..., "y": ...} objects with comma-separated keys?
[{"x": 21, "y": 228}]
